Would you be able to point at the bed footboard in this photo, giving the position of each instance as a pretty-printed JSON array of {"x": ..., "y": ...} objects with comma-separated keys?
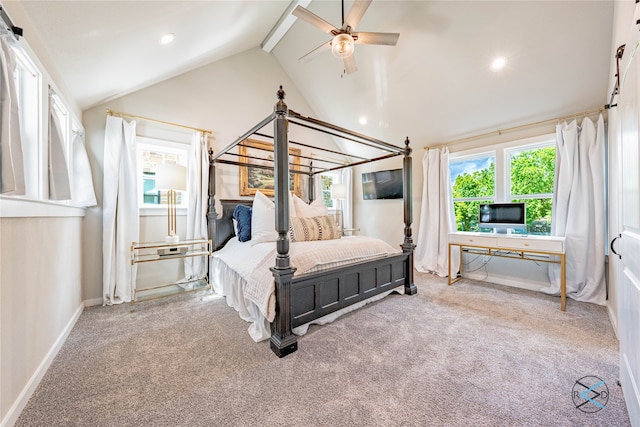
[
  {"x": 308, "y": 297},
  {"x": 316, "y": 295}
]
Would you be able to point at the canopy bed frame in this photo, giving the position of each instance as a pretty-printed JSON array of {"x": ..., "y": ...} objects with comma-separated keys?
[{"x": 303, "y": 298}]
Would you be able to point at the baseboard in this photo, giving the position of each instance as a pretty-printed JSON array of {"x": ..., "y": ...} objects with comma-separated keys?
[
  {"x": 17, "y": 407},
  {"x": 612, "y": 318},
  {"x": 522, "y": 283},
  {"x": 92, "y": 302}
]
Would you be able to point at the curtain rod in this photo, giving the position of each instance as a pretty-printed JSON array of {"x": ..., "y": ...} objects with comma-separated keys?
[
  {"x": 17, "y": 31},
  {"x": 133, "y": 116},
  {"x": 514, "y": 128}
]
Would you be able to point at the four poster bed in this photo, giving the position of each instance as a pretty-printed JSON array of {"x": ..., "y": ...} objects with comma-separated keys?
[{"x": 296, "y": 286}]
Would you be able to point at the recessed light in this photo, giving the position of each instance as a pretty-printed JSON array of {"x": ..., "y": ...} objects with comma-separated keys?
[
  {"x": 167, "y": 38},
  {"x": 498, "y": 63},
  {"x": 362, "y": 120}
]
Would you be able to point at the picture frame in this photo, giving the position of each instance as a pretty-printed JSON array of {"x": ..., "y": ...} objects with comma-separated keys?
[{"x": 253, "y": 179}]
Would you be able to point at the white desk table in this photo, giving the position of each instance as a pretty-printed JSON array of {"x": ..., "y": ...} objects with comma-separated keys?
[{"x": 524, "y": 247}]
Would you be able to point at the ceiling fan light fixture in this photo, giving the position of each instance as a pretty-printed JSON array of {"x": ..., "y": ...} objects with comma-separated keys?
[{"x": 342, "y": 45}]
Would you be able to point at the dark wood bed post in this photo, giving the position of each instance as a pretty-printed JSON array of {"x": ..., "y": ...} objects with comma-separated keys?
[
  {"x": 408, "y": 246},
  {"x": 283, "y": 341},
  {"x": 310, "y": 184},
  {"x": 212, "y": 215}
]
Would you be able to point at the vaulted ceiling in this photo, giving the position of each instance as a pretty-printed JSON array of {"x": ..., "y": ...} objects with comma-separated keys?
[{"x": 435, "y": 85}]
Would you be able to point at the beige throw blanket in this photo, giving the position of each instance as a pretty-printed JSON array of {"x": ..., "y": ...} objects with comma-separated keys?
[{"x": 253, "y": 262}]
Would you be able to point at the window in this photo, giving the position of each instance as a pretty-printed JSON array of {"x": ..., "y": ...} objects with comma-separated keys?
[
  {"x": 531, "y": 175},
  {"x": 62, "y": 114},
  {"x": 28, "y": 84},
  {"x": 472, "y": 183},
  {"x": 33, "y": 83},
  {"x": 327, "y": 179},
  {"x": 152, "y": 152},
  {"x": 60, "y": 154},
  {"x": 521, "y": 171}
]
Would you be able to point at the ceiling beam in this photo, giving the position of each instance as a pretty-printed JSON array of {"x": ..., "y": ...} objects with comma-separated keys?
[{"x": 284, "y": 23}]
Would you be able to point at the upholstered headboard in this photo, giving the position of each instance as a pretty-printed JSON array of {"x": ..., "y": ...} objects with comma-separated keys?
[{"x": 221, "y": 229}]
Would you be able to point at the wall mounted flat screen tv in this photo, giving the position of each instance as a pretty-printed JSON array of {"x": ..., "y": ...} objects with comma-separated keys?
[
  {"x": 382, "y": 185},
  {"x": 502, "y": 215}
]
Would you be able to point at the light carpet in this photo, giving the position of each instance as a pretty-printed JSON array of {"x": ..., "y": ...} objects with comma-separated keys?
[{"x": 468, "y": 354}]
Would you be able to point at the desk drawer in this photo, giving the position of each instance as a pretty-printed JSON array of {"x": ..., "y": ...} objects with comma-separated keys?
[
  {"x": 473, "y": 240},
  {"x": 533, "y": 244}
]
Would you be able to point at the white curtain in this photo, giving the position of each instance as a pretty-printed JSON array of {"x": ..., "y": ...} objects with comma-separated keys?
[
  {"x": 578, "y": 210},
  {"x": 347, "y": 204},
  {"x": 59, "y": 187},
  {"x": 12, "y": 181},
  {"x": 120, "y": 218},
  {"x": 82, "y": 192},
  {"x": 437, "y": 218},
  {"x": 197, "y": 188}
]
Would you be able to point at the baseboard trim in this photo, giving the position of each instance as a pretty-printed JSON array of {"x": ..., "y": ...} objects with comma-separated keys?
[
  {"x": 20, "y": 403},
  {"x": 92, "y": 302},
  {"x": 530, "y": 285},
  {"x": 612, "y": 318}
]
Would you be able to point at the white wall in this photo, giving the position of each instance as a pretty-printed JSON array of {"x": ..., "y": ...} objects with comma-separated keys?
[
  {"x": 384, "y": 219},
  {"x": 228, "y": 97},
  {"x": 40, "y": 269}
]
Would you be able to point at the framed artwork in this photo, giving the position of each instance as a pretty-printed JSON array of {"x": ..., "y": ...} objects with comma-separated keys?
[{"x": 258, "y": 178}]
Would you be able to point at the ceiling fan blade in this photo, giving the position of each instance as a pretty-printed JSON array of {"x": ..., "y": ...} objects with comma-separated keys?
[
  {"x": 315, "y": 20},
  {"x": 355, "y": 14},
  {"x": 324, "y": 47},
  {"x": 350, "y": 64},
  {"x": 389, "y": 39}
]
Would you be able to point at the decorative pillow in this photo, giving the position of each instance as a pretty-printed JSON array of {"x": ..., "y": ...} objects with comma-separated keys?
[
  {"x": 312, "y": 228},
  {"x": 305, "y": 210},
  {"x": 242, "y": 216},
  {"x": 263, "y": 223}
]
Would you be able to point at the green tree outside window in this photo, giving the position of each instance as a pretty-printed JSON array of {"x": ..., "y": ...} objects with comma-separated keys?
[{"x": 531, "y": 181}]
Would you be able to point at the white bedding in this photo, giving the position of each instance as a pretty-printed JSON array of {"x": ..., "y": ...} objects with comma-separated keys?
[{"x": 240, "y": 272}]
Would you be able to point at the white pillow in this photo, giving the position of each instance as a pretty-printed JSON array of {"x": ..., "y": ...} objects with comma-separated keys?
[
  {"x": 304, "y": 210},
  {"x": 292, "y": 206},
  {"x": 263, "y": 219}
]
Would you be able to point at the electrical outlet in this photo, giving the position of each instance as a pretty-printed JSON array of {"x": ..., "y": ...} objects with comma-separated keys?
[{"x": 485, "y": 259}]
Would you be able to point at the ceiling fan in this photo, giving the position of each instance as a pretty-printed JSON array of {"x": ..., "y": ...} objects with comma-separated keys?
[{"x": 344, "y": 39}]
